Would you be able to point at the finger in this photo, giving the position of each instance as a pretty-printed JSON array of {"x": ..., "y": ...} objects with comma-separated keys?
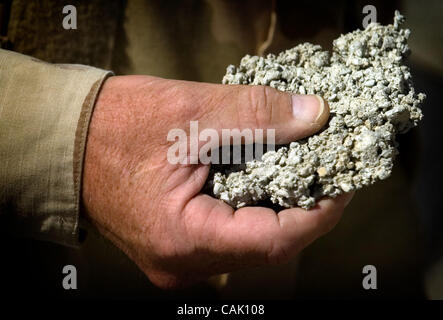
[
  {"x": 301, "y": 227},
  {"x": 252, "y": 236},
  {"x": 260, "y": 107},
  {"x": 236, "y": 239},
  {"x": 278, "y": 237}
]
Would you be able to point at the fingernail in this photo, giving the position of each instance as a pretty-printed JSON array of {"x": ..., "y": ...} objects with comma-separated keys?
[{"x": 308, "y": 108}]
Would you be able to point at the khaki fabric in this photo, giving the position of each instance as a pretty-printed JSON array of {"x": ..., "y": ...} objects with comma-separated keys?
[{"x": 44, "y": 116}]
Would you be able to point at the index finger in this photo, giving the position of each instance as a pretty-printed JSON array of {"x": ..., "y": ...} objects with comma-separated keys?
[{"x": 256, "y": 235}]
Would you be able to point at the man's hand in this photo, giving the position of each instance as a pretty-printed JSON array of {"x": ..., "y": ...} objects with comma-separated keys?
[{"x": 154, "y": 211}]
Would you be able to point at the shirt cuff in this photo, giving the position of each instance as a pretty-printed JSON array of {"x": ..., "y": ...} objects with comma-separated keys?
[{"x": 45, "y": 110}]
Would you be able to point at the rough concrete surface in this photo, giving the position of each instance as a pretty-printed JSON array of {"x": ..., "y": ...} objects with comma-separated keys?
[{"x": 371, "y": 97}]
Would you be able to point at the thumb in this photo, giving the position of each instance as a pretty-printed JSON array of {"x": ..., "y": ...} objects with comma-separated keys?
[{"x": 292, "y": 116}]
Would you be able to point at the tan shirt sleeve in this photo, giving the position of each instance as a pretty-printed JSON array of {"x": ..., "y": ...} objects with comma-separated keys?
[{"x": 45, "y": 111}]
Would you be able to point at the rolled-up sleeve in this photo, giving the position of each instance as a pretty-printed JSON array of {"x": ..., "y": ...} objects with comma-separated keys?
[{"x": 45, "y": 111}]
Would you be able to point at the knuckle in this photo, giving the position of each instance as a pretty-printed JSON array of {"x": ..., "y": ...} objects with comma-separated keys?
[
  {"x": 187, "y": 105},
  {"x": 179, "y": 102},
  {"x": 261, "y": 104}
]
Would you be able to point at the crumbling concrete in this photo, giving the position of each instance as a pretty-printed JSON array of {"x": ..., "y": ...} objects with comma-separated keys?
[{"x": 371, "y": 97}]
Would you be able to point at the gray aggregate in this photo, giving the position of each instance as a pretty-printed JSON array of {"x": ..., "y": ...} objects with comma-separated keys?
[{"x": 371, "y": 97}]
